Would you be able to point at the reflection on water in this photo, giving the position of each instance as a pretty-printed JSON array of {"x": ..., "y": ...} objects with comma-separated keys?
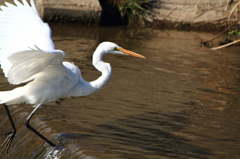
[{"x": 182, "y": 101}]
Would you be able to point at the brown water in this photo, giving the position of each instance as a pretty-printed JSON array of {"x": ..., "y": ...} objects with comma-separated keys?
[{"x": 182, "y": 101}]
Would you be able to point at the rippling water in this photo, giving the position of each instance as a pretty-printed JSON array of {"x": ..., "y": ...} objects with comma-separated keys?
[{"x": 182, "y": 101}]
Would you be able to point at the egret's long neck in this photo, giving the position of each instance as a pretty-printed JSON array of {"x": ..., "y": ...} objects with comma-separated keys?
[
  {"x": 104, "y": 68},
  {"x": 86, "y": 88}
]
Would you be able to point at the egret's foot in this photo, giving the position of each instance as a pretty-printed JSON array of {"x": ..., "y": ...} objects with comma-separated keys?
[{"x": 8, "y": 140}]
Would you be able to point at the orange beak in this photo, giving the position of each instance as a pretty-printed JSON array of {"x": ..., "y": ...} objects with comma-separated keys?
[{"x": 127, "y": 52}]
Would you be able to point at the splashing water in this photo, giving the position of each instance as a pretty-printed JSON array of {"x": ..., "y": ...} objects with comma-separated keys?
[{"x": 53, "y": 152}]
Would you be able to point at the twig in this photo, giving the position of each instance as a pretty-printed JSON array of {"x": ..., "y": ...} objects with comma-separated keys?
[
  {"x": 231, "y": 12},
  {"x": 222, "y": 46},
  {"x": 206, "y": 42}
]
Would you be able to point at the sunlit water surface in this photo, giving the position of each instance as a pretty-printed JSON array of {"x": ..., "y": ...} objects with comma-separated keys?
[{"x": 182, "y": 101}]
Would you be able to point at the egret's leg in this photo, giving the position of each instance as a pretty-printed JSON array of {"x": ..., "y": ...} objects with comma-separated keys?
[
  {"x": 35, "y": 131},
  {"x": 11, "y": 134}
]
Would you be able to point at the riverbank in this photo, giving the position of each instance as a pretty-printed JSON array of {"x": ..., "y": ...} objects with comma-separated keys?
[{"x": 174, "y": 14}]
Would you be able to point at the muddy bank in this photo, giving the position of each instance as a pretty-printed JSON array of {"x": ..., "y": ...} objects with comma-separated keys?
[{"x": 180, "y": 14}]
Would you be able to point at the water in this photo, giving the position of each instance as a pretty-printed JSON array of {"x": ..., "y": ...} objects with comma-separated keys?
[{"x": 182, "y": 101}]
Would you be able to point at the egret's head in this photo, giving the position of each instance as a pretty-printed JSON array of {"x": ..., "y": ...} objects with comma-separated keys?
[{"x": 112, "y": 48}]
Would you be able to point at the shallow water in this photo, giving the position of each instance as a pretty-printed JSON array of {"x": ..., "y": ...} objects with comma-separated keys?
[{"x": 182, "y": 101}]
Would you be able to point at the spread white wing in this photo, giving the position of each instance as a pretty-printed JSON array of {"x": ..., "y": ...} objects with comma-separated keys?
[
  {"x": 27, "y": 64},
  {"x": 24, "y": 38}
]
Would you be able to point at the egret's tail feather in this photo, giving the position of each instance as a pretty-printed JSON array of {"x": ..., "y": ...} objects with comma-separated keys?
[{"x": 15, "y": 96}]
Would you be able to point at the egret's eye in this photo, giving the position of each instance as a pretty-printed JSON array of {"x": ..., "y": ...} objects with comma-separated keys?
[{"x": 115, "y": 49}]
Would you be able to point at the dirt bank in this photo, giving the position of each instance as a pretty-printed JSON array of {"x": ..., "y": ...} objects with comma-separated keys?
[
  {"x": 165, "y": 13},
  {"x": 201, "y": 14}
]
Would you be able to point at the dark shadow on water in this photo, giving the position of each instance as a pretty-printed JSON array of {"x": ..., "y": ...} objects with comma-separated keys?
[
  {"x": 160, "y": 139},
  {"x": 145, "y": 135}
]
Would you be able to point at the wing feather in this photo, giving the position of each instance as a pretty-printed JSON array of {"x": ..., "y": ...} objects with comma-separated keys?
[
  {"x": 22, "y": 28},
  {"x": 27, "y": 64}
]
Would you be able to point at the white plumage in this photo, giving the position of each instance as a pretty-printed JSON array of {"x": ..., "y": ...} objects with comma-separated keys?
[{"x": 21, "y": 28}]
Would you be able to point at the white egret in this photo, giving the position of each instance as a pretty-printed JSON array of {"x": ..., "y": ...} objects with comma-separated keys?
[{"x": 27, "y": 54}]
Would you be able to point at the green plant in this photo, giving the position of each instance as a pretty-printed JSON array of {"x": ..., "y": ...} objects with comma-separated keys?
[
  {"x": 234, "y": 32},
  {"x": 132, "y": 9}
]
